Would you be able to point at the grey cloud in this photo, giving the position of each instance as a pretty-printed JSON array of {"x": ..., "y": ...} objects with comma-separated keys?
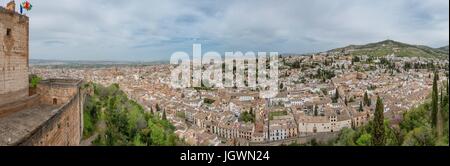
[{"x": 153, "y": 30}]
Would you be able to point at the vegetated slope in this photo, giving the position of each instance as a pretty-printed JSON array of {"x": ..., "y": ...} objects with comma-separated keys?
[{"x": 389, "y": 47}]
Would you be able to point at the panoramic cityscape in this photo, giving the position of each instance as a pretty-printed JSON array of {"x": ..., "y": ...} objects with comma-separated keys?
[
  {"x": 386, "y": 90},
  {"x": 319, "y": 96}
]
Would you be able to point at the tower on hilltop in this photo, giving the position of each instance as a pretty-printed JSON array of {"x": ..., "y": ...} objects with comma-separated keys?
[{"x": 14, "y": 37}]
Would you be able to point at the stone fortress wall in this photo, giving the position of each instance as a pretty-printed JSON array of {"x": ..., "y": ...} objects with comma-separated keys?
[
  {"x": 51, "y": 117},
  {"x": 65, "y": 127}
]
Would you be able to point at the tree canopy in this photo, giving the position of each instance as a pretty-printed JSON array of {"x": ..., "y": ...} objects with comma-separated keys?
[{"x": 119, "y": 121}]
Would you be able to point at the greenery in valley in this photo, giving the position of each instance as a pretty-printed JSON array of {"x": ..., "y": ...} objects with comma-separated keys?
[
  {"x": 247, "y": 117},
  {"x": 119, "y": 121},
  {"x": 323, "y": 74},
  {"x": 426, "y": 125}
]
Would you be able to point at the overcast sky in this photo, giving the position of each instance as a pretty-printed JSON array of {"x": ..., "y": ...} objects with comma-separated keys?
[{"x": 150, "y": 30}]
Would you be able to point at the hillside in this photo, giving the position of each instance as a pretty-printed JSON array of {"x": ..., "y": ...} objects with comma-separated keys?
[
  {"x": 112, "y": 119},
  {"x": 389, "y": 47},
  {"x": 444, "y": 49}
]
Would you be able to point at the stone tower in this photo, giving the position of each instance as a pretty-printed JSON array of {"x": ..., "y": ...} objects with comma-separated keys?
[
  {"x": 13, "y": 54},
  {"x": 53, "y": 116}
]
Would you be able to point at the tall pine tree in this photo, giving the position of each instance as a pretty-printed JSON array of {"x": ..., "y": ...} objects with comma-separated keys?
[{"x": 378, "y": 124}]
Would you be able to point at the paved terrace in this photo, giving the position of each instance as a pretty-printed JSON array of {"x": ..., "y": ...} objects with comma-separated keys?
[{"x": 20, "y": 125}]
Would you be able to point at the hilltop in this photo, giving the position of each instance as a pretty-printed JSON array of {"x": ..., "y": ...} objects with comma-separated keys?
[
  {"x": 389, "y": 47},
  {"x": 445, "y": 48}
]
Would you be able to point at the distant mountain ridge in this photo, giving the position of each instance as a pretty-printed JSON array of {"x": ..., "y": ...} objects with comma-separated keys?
[
  {"x": 379, "y": 49},
  {"x": 389, "y": 47},
  {"x": 85, "y": 62},
  {"x": 445, "y": 48}
]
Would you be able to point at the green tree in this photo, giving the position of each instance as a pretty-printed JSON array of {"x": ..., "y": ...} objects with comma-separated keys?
[
  {"x": 421, "y": 136},
  {"x": 416, "y": 117},
  {"x": 364, "y": 140},
  {"x": 164, "y": 116},
  {"x": 247, "y": 117},
  {"x": 378, "y": 124},
  {"x": 393, "y": 135},
  {"x": 361, "y": 107},
  {"x": 434, "y": 101},
  {"x": 316, "y": 110},
  {"x": 352, "y": 99},
  {"x": 367, "y": 101},
  {"x": 34, "y": 80},
  {"x": 346, "y": 137},
  {"x": 336, "y": 96},
  {"x": 126, "y": 123},
  {"x": 356, "y": 59},
  {"x": 157, "y": 107},
  {"x": 158, "y": 136}
]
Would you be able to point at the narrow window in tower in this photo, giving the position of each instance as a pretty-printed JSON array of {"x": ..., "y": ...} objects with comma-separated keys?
[{"x": 8, "y": 32}]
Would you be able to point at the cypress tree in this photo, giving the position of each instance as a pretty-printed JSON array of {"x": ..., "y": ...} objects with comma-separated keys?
[
  {"x": 158, "y": 108},
  {"x": 337, "y": 93},
  {"x": 164, "y": 116},
  {"x": 378, "y": 124},
  {"x": 441, "y": 98},
  {"x": 367, "y": 101},
  {"x": 361, "y": 108},
  {"x": 434, "y": 102},
  {"x": 316, "y": 111},
  {"x": 336, "y": 96}
]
